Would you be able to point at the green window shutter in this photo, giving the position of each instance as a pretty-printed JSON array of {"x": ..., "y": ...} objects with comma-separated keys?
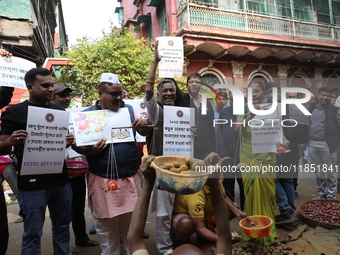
[
  {"x": 149, "y": 31},
  {"x": 163, "y": 22},
  {"x": 210, "y": 79},
  {"x": 256, "y": 7},
  {"x": 155, "y": 3},
  {"x": 323, "y": 18}
]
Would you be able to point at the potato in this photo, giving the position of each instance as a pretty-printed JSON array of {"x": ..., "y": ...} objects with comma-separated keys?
[
  {"x": 175, "y": 169},
  {"x": 176, "y": 164},
  {"x": 187, "y": 162},
  {"x": 183, "y": 168},
  {"x": 188, "y": 172},
  {"x": 167, "y": 166},
  {"x": 98, "y": 129}
]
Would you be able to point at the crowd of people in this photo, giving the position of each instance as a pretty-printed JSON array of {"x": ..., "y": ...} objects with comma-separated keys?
[{"x": 119, "y": 215}]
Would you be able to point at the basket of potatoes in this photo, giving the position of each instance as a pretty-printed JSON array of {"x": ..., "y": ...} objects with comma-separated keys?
[{"x": 178, "y": 175}]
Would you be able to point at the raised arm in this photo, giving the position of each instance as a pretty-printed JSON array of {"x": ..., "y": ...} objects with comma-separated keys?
[
  {"x": 150, "y": 80},
  {"x": 220, "y": 211},
  {"x": 6, "y": 93},
  {"x": 140, "y": 212}
]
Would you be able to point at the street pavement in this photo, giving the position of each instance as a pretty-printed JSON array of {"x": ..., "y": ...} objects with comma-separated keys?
[{"x": 306, "y": 189}]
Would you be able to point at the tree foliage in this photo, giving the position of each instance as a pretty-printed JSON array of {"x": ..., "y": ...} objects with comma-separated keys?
[{"x": 118, "y": 52}]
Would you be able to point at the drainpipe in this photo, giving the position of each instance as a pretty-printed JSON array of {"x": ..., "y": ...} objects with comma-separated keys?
[
  {"x": 188, "y": 10},
  {"x": 292, "y": 16},
  {"x": 246, "y": 11},
  {"x": 331, "y": 18},
  {"x": 292, "y": 9}
]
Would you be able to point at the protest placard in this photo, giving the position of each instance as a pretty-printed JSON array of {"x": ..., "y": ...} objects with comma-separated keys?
[
  {"x": 139, "y": 106},
  {"x": 171, "y": 51},
  {"x": 91, "y": 126},
  {"x": 72, "y": 153},
  {"x": 266, "y": 131},
  {"x": 13, "y": 70},
  {"x": 178, "y": 139},
  {"x": 44, "y": 150}
]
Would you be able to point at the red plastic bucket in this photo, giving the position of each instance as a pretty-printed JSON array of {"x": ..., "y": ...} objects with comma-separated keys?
[
  {"x": 3, "y": 163},
  {"x": 77, "y": 168}
]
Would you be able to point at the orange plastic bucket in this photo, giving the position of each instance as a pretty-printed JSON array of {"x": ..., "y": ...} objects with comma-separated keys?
[{"x": 261, "y": 229}]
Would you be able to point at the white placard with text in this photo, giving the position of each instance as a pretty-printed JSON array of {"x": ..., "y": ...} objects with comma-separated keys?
[
  {"x": 177, "y": 138},
  {"x": 139, "y": 106},
  {"x": 44, "y": 150},
  {"x": 268, "y": 131},
  {"x": 13, "y": 70},
  {"x": 171, "y": 51}
]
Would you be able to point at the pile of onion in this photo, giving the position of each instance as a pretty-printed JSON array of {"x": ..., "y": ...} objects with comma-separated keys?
[{"x": 327, "y": 211}]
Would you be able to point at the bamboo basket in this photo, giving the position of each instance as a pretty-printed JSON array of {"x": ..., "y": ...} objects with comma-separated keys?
[{"x": 316, "y": 223}]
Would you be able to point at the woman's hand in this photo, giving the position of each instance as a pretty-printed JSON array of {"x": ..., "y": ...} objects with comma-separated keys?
[{"x": 238, "y": 213}]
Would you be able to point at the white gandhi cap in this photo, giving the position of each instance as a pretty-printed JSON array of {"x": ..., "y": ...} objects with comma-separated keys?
[{"x": 109, "y": 77}]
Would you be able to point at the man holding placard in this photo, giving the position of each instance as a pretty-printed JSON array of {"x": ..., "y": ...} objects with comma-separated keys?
[
  {"x": 113, "y": 179},
  {"x": 204, "y": 132},
  {"x": 42, "y": 187}
]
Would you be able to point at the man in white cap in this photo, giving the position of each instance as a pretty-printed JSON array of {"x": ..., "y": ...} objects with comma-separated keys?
[{"x": 112, "y": 210}]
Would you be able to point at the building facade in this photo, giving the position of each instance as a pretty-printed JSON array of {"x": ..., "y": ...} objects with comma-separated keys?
[
  {"x": 33, "y": 30},
  {"x": 294, "y": 43}
]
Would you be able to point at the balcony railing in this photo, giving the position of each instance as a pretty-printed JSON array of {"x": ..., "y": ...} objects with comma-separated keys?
[{"x": 195, "y": 15}]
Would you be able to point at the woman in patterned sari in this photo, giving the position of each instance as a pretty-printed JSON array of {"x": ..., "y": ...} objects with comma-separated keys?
[{"x": 259, "y": 188}]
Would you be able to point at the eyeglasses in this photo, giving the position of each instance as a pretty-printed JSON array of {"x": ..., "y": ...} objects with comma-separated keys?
[{"x": 115, "y": 94}]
